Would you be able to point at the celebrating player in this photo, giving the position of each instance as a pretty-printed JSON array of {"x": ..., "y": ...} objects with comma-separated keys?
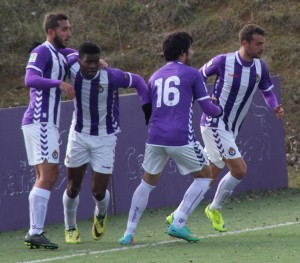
[
  {"x": 92, "y": 137},
  {"x": 45, "y": 75},
  {"x": 238, "y": 76},
  {"x": 173, "y": 89}
]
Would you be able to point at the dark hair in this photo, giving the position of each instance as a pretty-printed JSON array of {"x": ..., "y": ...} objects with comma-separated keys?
[
  {"x": 88, "y": 47},
  {"x": 248, "y": 31},
  {"x": 176, "y": 44},
  {"x": 51, "y": 20}
]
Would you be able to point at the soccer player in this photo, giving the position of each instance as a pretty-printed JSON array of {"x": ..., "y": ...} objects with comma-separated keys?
[
  {"x": 93, "y": 133},
  {"x": 238, "y": 76},
  {"x": 45, "y": 75},
  {"x": 173, "y": 89}
]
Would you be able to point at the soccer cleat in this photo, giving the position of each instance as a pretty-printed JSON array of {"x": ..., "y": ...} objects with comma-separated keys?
[
  {"x": 39, "y": 241},
  {"x": 126, "y": 240},
  {"x": 99, "y": 226},
  {"x": 182, "y": 233},
  {"x": 169, "y": 219},
  {"x": 216, "y": 219},
  {"x": 72, "y": 236}
]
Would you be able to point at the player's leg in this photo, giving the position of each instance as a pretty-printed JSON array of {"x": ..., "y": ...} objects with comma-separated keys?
[
  {"x": 154, "y": 161},
  {"x": 77, "y": 157},
  {"x": 189, "y": 159},
  {"x": 102, "y": 154},
  {"x": 221, "y": 148},
  {"x": 101, "y": 197},
  {"x": 42, "y": 147}
]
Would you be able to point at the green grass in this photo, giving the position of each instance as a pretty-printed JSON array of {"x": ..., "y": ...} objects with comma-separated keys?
[{"x": 249, "y": 239}]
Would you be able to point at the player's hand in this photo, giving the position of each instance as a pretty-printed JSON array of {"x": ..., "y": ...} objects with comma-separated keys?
[
  {"x": 102, "y": 63},
  {"x": 279, "y": 111},
  {"x": 68, "y": 89},
  {"x": 147, "y": 108}
]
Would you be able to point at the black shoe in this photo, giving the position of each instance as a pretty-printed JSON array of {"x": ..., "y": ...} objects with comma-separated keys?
[{"x": 39, "y": 240}]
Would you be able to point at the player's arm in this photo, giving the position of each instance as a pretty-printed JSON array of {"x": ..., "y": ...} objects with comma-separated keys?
[
  {"x": 67, "y": 51},
  {"x": 208, "y": 105},
  {"x": 123, "y": 79},
  {"x": 33, "y": 79},
  {"x": 210, "y": 108},
  {"x": 212, "y": 67},
  {"x": 142, "y": 90},
  {"x": 266, "y": 86},
  {"x": 271, "y": 100}
]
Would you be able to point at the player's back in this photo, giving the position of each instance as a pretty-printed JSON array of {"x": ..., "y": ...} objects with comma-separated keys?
[{"x": 172, "y": 91}]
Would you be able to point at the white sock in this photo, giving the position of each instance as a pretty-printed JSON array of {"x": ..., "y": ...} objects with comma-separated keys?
[
  {"x": 138, "y": 205},
  {"x": 38, "y": 202},
  {"x": 225, "y": 188},
  {"x": 192, "y": 197},
  {"x": 101, "y": 206},
  {"x": 70, "y": 209}
]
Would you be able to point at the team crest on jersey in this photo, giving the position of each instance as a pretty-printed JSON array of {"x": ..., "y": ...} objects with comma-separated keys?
[
  {"x": 231, "y": 151},
  {"x": 33, "y": 57},
  {"x": 55, "y": 154},
  {"x": 257, "y": 78},
  {"x": 100, "y": 88}
]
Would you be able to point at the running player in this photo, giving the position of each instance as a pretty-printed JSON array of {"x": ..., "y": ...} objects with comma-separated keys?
[
  {"x": 173, "y": 89},
  {"x": 45, "y": 75},
  {"x": 238, "y": 76},
  {"x": 92, "y": 137}
]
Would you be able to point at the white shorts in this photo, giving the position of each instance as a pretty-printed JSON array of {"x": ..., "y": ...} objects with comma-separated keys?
[
  {"x": 218, "y": 144},
  {"x": 41, "y": 143},
  {"x": 188, "y": 158},
  {"x": 99, "y": 151}
]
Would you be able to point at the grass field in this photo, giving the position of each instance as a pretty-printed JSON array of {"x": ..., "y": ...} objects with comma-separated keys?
[{"x": 262, "y": 228}]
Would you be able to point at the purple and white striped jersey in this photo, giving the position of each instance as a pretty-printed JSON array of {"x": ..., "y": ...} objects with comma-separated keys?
[
  {"x": 173, "y": 89},
  {"x": 44, "y": 105},
  {"x": 97, "y": 100},
  {"x": 236, "y": 82}
]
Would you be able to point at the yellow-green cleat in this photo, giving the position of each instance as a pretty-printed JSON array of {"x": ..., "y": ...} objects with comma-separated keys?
[
  {"x": 216, "y": 219},
  {"x": 99, "y": 226},
  {"x": 72, "y": 236},
  {"x": 169, "y": 219}
]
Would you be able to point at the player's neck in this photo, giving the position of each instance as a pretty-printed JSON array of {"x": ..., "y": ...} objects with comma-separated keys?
[{"x": 244, "y": 55}]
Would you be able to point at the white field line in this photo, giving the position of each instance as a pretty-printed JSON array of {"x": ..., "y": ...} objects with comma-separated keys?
[{"x": 86, "y": 253}]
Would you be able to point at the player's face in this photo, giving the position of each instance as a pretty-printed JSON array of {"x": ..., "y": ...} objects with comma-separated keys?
[
  {"x": 256, "y": 47},
  {"x": 89, "y": 65},
  {"x": 189, "y": 56},
  {"x": 62, "y": 34}
]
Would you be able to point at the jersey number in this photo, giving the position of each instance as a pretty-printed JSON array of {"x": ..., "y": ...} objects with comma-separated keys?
[{"x": 167, "y": 94}]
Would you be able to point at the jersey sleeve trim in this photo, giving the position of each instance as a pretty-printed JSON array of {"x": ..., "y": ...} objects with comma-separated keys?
[
  {"x": 203, "y": 98},
  {"x": 270, "y": 88}
]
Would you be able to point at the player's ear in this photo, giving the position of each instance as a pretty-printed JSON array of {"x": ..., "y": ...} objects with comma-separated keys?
[{"x": 244, "y": 43}]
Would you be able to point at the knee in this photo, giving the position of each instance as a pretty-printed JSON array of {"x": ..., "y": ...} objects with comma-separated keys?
[
  {"x": 73, "y": 190},
  {"x": 240, "y": 171},
  {"x": 99, "y": 195}
]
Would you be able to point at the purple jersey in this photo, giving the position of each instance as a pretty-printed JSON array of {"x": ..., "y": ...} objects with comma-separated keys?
[
  {"x": 44, "y": 105},
  {"x": 97, "y": 100},
  {"x": 173, "y": 89},
  {"x": 234, "y": 87}
]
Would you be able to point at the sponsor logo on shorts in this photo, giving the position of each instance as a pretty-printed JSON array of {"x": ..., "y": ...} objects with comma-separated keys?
[
  {"x": 55, "y": 154},
  {"x": 231, "y": 151},
  {"x": 67, "y": 159}
]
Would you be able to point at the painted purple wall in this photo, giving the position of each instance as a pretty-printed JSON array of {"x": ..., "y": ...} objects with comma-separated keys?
[{"x": 261, "y": 142}]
